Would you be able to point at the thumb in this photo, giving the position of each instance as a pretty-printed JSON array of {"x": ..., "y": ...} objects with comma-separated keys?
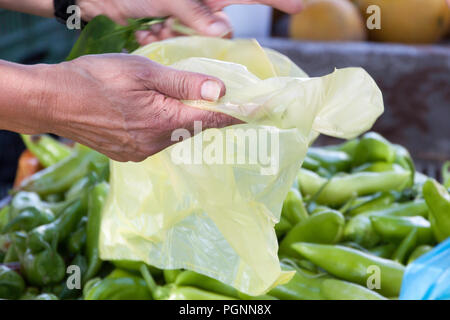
[
  {"x": 183, "y": 85},
  {"x": 201, "y": 18}
]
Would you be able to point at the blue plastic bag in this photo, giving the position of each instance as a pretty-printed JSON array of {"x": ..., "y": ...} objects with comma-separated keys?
[{"x": 428, "y": 277}]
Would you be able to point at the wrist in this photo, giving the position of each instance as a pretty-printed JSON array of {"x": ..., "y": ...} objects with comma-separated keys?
[{"x": 92, "y": 8}]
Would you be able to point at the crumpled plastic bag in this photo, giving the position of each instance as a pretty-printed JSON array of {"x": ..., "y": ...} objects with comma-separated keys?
[
  {"x": 428, "y": 277},
  {"x": 217, "y": 216}
]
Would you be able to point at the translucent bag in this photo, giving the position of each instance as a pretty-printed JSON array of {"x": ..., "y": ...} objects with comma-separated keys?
[{"x": 209, "y": 203}]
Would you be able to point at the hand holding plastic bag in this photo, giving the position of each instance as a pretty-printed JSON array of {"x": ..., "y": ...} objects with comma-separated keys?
[{"x": 210, "y": 203}]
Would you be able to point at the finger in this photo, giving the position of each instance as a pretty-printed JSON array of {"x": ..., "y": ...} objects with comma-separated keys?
[
  {"x": 288, "y": 6},
  {"x": 196, "y": 15},
  {"x": 182, "y": 85}
]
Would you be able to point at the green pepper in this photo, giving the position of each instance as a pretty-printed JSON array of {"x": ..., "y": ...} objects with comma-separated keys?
[
  {"x": 310, "y": 164},
  {"x": 62, "y": 175},
  {"x": 170, "y": 275},
  {"x": 332, "y": 160},
  {"x": 59, "y": 229},
  {"x": 124, "y": 288},
  {"x": 376, "y": 167},
  {"x": 28, "y": 219},
  {"x": 293, "y": 208},
  {"x": 342, "y": 188},
  {"x": 323, "y": 227},
  {"x": 438, "y": 201},
  {"x": 406, "y": 246},
  {"x": 393, "y": 229},
  {"x": 24, "y": 199},
  {"x": 349, "y": 147},
  {"x": 17, "y": 246},
  {"x": 383, "y": 251},
  {"x": 419, "y": 251},
  {"x": 77, "y": 239},
  {"x": 404, "y": 159},
  {"x": 359, "y": 228},
  {"x": 446, "y": 174},
  {"x": 4, "y": 216},
  {"x": 372, "y": 148},
  {"x": 49, "y": 151},
  {"x": 11, "y": 283},
  {"x": 96, "y": 201},
  {"x": 353, "y": 265},
  {"x": 44, "y": 268},
  {"x": 333, "y": 289},
  {"x": 282, "y": 227},
  {"x": 377, "y": 201},
  {"x": 194, "y": 279}
]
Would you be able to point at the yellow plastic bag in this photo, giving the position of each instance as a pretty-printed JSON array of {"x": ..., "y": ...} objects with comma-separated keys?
[{"x": 209, "y": 203}]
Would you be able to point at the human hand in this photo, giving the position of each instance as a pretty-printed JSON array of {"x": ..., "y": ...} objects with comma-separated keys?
[
  {"x": 205, "y": 17},
  {"x": 126, "y": 106}
]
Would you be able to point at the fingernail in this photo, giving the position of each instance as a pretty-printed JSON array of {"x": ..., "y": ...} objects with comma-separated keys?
[
  {"x": 218, "y": 28},
  {"x": 210, "y": 90}
]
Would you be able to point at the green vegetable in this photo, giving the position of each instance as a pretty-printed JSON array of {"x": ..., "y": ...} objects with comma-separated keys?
[
  {"x": 61, "y": 176},
  {"x": 44, "y": 268},
  {"x": 332, "y": 160},
  {"x": 323, "y": 227},
  {"x": 97, "y": 198},
  {"x": 28, "y": 219},
  {"x": 342, "y": 188},
  {"x": 372, "y": 148},
  {"x": 117, "y": 288},
  {"x": 11, "y": 283},
  {"x": 310, "y": 164},
  {"x": 171, "y": 275},
  {"x": 58, "y": 230},
  {"x": 333, "y": 289},
  {"x": 438, "y": 201},
  {"x": 404, "y": 159},
  {"x": 348, "y": 147},
  {"x": 77, "y": 239},
  {"x": 391, "y": 228},
  {"x": 48, "y": 150},
  {"x": 293, "y": 208},
  {"x": 353, "y": 265},
  {"x": 419, "y": 251},
  {"x": 446, "y": 174},
  {"x": 377, "y": 201},
  {"x": 406, "y": 246},
  {"x": 46, "y": 296},
  {"x": 359, "y": 228}
]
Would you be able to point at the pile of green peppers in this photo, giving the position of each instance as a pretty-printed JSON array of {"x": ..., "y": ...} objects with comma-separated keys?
[{"x": 357, "y": 214}]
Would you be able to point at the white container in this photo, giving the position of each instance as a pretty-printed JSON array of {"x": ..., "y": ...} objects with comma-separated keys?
[{"x": 250, "y": 21}]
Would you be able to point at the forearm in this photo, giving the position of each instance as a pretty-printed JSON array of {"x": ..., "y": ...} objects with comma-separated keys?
[
  {"x": 25, "y": 97},
  {"x": 42, "y": 8}
]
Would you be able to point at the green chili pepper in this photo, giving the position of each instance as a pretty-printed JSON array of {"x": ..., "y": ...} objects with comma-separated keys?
[
  {"x": 24, "y": 199},
  {"x": 438, "y": 201},
  {"x": 61, "y": 176},
  {"x": 323, "y": 227},
  {"x": 404, "y": 159},
  {"x": 446, "y": 174},
  {"x": 28, "y": 219},
  {"x": 304, "y": 285},
  {"x": 49, "y": 151},
  {"x": 17, "y": 246},
  {"x": 384, "y": 251},
  {"x": 406, "y": 246},
  {"x": 135, "y": 267},
  {"x": 333, "y": 289},
  {"x": 194, "y": 279},
  {"x": 332, "y": 160},
  {"x": 77, "y": 240},
  {"x": 377, "y": 201},
  {"x": 372, "y": 148},
  {"x": 310, "y": 164},
  {"x": 391, "y": 228},
  {"x": 359, "y": 228},
  {"x": 43, "y": 268},
  {"x": 353, "y": 265},
  {"x": 293, "y": 208},
  {"x": 58, "y": 230},
  {"x": 419, "y": 251},
  {"x": 30, "y": 293},
  {"x": 124, "y": 288},
  {"x": 348, "y": 147},
  {"x": 4, "y": 216},
  {"x": 11, "y": 283},
  {"x": 96, "y": 201},
  {"x": 342, "y": 188},
  {"x": 376, "y": 167},
  {"x": 282, "y": 227}
]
